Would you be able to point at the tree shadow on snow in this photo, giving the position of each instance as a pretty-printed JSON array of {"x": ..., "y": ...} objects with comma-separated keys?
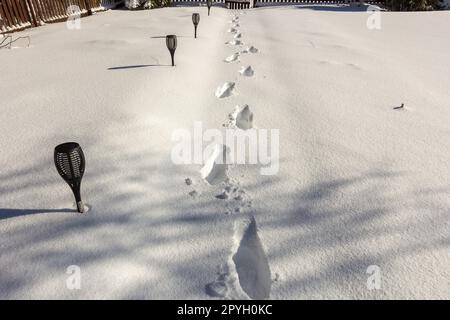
[
  {"x": 126, "y": 227},
  {"x": 336, "y": 224},
  {"x": 327, "y": 228}
]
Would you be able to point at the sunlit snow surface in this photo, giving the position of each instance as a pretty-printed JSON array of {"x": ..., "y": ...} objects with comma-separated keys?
[{"x": 359, "y": 184}]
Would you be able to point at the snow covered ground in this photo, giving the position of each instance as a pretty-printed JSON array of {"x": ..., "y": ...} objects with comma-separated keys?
[{"x": 360, "y": 184}]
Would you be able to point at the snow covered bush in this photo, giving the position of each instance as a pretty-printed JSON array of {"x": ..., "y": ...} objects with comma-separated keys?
[
  {"x": 111, "y": 4},
  {"x": 444, "y": 4},
  {"x": 137, "y": 4},
  {"x": 412, "y": 5},
  {"x": 160, "y": 3},
  {"x": 146, "y": 4}
]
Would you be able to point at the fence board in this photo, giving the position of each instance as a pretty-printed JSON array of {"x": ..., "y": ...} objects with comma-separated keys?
[
  {"x": 237, "y": 5},
  {"x": 20, "y": 14}
]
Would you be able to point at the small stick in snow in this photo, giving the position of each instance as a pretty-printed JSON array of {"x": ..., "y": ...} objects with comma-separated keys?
[{"x": 401, "y": 107}]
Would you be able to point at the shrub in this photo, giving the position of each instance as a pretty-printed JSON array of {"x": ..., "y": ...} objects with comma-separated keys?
[
  {"x": 160, "y": 3},
  {"x": 411, "y": 5},
  {"x": 147, "y": 4}
]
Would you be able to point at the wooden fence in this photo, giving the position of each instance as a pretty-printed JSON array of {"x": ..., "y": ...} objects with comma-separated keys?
[
  {"x": 236, "y": 3},
  {"x": 17, "y": 15}
]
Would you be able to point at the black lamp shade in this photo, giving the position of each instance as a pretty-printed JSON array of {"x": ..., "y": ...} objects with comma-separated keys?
[
  {"x": 70, "y": 164},
  {"x": 171, "y": 42},
  {"x": 195, "y": 18}
]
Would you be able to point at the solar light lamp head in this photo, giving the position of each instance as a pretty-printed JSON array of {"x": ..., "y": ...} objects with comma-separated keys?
[{"x": 70, "y": 164}]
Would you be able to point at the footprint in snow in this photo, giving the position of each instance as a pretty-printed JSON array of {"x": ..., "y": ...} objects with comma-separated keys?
[
  {"x": 215, "y": 169},
  {"x": 217, "y": 288},
  {"x": 247, "y": 272},
  {"x": 232, "y": 30},
  {"x": 193, "y": 194},
  {"x": 232, "y": 58},
  {"x": 244, "y": 118},
  {"x": 241, "y": 118},
  {"x": 239, "y": 202},
  {"x": 250, "y": 49},
  {"x": 232, "y": 191},
  {"x": 234, "y": 42},
  {"x": 250, "y": 260},
  {"x": 225, "y": 90},
  {"x": 247, "y": 71},
  {"x": 237, "y": 36},
  {"x": 220, "y": 287},
  {"x": 276, "y": 277}
]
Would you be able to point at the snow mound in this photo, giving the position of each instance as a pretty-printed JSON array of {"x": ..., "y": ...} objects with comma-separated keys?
[
  {"x": 247, "y": 71},
  {"x": 87, "y": 207},
  {"x": 232, "y": 58},
  {"x": 244, "y": 118},
  {"x": 234, "y": 42},
  {"x": 215, "y": 169},
  {"x": 137, "y": 4},
  {"x": 225, "y": 90}
]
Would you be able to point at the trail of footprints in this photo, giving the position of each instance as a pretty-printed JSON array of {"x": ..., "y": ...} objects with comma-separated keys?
[{"x": 246, "y": 274}]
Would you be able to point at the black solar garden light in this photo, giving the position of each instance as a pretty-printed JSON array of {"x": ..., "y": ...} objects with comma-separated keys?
[
  {"x": 195, "y": 21},
  {"x": 209, "y": 4},
  {"x": 70, "y": 164},
  {"x": 171, "y": 42}
]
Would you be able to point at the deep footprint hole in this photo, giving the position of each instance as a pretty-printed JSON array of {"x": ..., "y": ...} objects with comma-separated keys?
[{"x": 252, "y": 265}]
